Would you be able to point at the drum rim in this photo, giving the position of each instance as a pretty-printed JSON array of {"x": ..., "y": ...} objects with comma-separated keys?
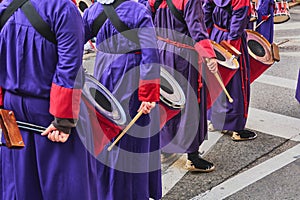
[
  {"x": 176, "y": 87},
  {"x": 228, "y": 54},
  {"x": 90, "y": 79},
  {"x": 260, "y": 36}
]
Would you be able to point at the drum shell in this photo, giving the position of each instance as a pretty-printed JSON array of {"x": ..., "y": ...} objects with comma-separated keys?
[
  {"x": 170, "y": 105},
  {"x": 281, "y": 12},
  {"x": 226, "y": 70},
  {"x": 257, "y": 68},
  {"x": 101, "y": 123}
]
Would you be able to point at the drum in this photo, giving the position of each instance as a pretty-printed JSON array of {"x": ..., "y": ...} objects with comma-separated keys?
[
  {"x": 254, "y": 14},
  {"x": 172, "y": 97},
  {"x": 101, "y": 116},
  {"x": 281, "y": 12},
  {"x": 260, "y": 54},
  {"x": 171, "y": 93},
  {"x": 103, "y": 101},
  {"x": 224, "y": 57},
  {"x": 83, "y": 4},
  {"x": 228, "y": 65}
]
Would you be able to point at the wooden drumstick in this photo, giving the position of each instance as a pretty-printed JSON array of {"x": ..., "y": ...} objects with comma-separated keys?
[
  {"x": 222, "y": 84},
  {"x": 282, "y": 42},
  {"x": 260, "y": 23},
  {"x": 126, "y": 129}
]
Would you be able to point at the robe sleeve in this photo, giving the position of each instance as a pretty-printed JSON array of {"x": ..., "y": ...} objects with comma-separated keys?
[
  {"x": 1, "y": 97},
  {"x": 149, "y": 84},
  {"x": 239, "y": 21},
  {"x": 196, "y": 25},
  {"x": 208, "y": 8},
  {"x": 265, "y": 8},
  {"x": 66, "y": 86}
]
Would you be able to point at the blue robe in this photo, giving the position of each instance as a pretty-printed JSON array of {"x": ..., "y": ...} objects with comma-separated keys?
[
  {"x": 38, "y": 81},
  {"x": 227, "y": 20},
  {"x": 298, "y": 88},
  {"x": 131, "y": 72},
  {"x": 185, "y": 132},
  {"x": 265, "y": 8}
]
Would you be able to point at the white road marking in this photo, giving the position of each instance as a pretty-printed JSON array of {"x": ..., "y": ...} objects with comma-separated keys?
[
  {"x": 274, "y": 124},
  {"x": 176, "y": 171},
  {"x": 277, "y": 81}
]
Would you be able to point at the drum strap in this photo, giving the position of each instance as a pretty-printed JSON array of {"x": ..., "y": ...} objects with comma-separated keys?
[
  {"x": 32, "y": 15},
  {"x": 178, "y": 14},
  {"x": 122, "y": 28},
  {"x": 109, "y": 12}
]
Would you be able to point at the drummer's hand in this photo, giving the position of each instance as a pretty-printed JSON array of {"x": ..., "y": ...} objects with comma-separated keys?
[
  {"x": 146, "y": 107},
  {"x": 55, "y": 135},
  {"x": 212, "y": 65}
]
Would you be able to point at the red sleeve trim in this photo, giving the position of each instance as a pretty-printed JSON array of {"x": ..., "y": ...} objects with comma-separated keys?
[
  {"x": 149, "y": 90},
  {"x": 237, "y": 4},
  {"x": 1, "y": 97},
  {"x": 64, "y": 102},
  {"x": 205, "y": 49},
  {"x": 180, "y": 5}
]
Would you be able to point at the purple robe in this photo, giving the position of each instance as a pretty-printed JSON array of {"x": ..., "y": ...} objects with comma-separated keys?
[
  {"x": 131, "y": 72},
  {"x": 298, "y": 88},
  {"x": 38, "y": 81},
  {"x": 185, "y": 132},
  {"x": 227, "y": 20},
  {"x": 265, "y": 8}
]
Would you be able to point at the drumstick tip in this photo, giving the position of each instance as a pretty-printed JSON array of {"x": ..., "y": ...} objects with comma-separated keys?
[{"x": 230, "y": 100}]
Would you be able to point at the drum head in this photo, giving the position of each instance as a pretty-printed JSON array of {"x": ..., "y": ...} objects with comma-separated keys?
[
  {"x": 281, "y": 12},
  {"x": 281, "y": 18},
  {"x": 259, "y": 47},
  {"x": 224, "y": 57},
  {"x": 102, "y": 99},
  {"x": 171, "y": 93},
  {"x": 83, "y": 4}
]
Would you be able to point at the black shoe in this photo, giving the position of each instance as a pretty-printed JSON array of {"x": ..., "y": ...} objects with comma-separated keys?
[
  {"x": 243, "y": 135},
  {"x": 196, "y": 163}
]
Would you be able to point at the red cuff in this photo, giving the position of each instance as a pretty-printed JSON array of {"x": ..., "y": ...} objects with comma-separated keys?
[
  {"x": 236, "y": 43},
  {"x": 64, "y": 102},
  {"x": 1, "y": 97},
  {"x": 205, "y": 49},
  {"x": 149, "y": 90},
  {"x": 265, "y": 18}
]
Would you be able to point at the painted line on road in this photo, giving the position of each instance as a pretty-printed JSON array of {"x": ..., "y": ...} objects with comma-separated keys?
[
  {"x": 250, "y": 176},
  {"x": 277, "y": 81},
  {"x": 274, "y": 124},
  {"x": 176, "y": 171},
  {"x": 286, "y": 26}
]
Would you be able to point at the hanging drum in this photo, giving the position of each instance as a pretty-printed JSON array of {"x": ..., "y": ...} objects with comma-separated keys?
[
  {"x": 172, "y": 97},
  {"x": 228, "y": 65},
  {"x": 83, "y": 4},
  {"x": 260, "y": 53},
  {"x": 105, "y": 113},
  {"x": 281, "y": 12}
]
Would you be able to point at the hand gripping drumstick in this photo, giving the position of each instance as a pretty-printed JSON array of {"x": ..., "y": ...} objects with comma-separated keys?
[
  {"x": 126, "y": 129},
  {"x": 222, "y": 84}
]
